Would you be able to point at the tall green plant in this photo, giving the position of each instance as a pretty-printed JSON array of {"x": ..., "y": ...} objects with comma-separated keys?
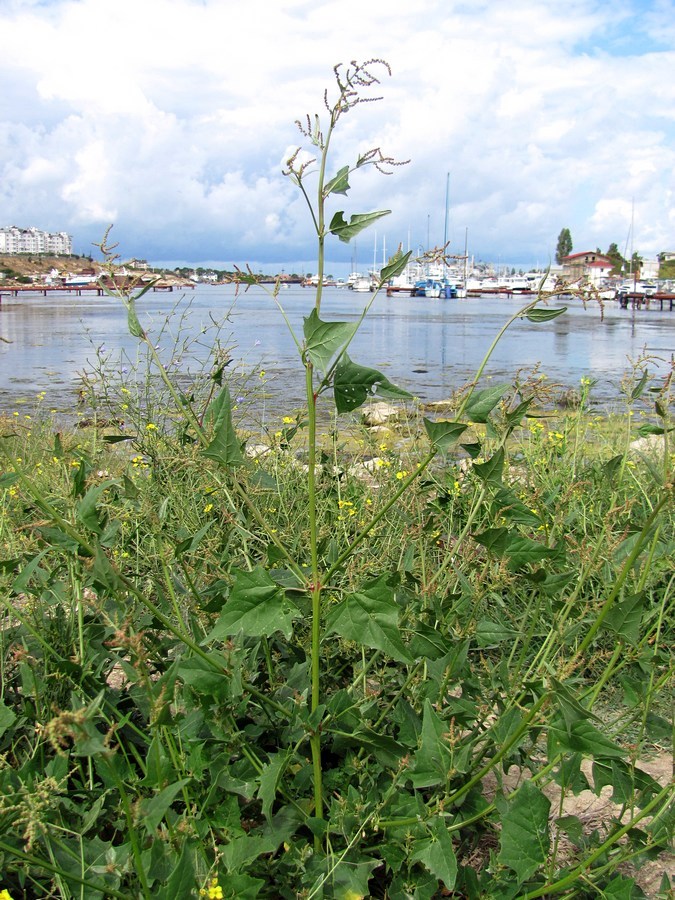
[{"x": 264, "y": 701}]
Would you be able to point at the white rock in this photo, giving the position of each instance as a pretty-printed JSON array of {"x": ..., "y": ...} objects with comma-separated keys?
[
  {"x": 651, "y": 445},
  {"x": 380, "y": 412},
  {"x": 255, "y": 451}
]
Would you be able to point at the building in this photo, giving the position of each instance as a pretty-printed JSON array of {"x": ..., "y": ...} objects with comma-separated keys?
[
  {"x": 33, "y": 240},
  {"x": 590, "y": 266},
  {"x": 139, "y": 265}
]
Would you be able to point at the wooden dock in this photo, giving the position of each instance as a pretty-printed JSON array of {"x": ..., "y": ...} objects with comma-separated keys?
[
  {"x": 77, "y": 290},
  {"x": 396, "y": 289},
  {"x": 637, "y": 301}
]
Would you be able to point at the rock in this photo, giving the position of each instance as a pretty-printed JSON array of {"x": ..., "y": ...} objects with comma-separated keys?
[
  {"x": 378, "y": 413},
  {"x": 256, "y": 451},
  {"x": 652, "y": 445}
]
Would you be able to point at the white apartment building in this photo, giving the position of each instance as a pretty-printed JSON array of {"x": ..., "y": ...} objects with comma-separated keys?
[{"x": 32, "y": 240}]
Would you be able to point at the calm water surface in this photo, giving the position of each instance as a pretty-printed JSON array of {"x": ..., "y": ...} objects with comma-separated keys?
[{"x": 429, "y": 347}]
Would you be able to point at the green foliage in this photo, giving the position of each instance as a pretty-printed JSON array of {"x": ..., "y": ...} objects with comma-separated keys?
[
  {"x": 334, "y": 675},
  {"x": 564, "y": 245}
]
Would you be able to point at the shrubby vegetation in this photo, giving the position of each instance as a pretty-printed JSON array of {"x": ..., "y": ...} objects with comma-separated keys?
[{"x": 334, "y": 663}]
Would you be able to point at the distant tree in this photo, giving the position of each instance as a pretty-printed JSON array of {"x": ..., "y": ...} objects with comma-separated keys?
[
  {"x": 618, "y": 262},
  {"x": 636, "y": 264},
  {"x": 564, "y": 246}
]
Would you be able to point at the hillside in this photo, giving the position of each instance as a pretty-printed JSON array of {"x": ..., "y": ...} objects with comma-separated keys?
[
  {"x": 23, "y": 269},
  {"x": 28, "y": 265}
]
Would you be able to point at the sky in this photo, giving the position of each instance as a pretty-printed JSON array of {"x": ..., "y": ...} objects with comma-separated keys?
[{"x": 172, "y": 121}]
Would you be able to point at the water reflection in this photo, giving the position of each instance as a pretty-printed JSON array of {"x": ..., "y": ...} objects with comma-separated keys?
[{"x": 53, "y": 340}]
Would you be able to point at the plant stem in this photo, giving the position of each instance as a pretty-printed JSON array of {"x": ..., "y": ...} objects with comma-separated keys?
[{"x": 315, "y": 739}]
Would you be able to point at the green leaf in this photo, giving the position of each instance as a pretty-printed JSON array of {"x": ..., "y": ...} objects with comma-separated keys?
[
  {"x": 7, "y": 718},
  {"x": 496, "y": 540},
  {"x": 489, "y": 633},
  {"x": 182, "y": 879},
  {"x": 370, "y": 618},
  {"x": 572, "y": 711},
  {"x": 524, "y": 844},
  {"x": 395, "y": 265},
  {"x": 349, "y": 878},
  {"x": 87, "y": 511},
  {"x": 573, "y": 827},
  {"x": 426, "y": 642},
  {"x": 622, "y": 888},
  {"x": 624, "y": 780},
  {"x": 611, "y": 467},
  {"x": 432, "y": 762},
  {"x": 225, "y": 447},
  {"x": 339, "y": 184},
  {"x": 516, "y": 415},
  {"x": 523, "y": 550},
  {"x": 647, "y": 429},
  {"x": 324, "y": 339},
  {"x": 638, "y": 390},
  {"x": 104, "y": 573},
  {"x": 444, "y": 435},
  {"x": 271, "y": 775},
  {"x": 238, "y": 887},
  {"x": 539, "y": 314},
  {"x": 156, "y": 807},
  {"x": 7, "y": 479},
  {"x": 438, "y": 854},
  {"x": 625, "y": 618},
  {"x": 190, "y": 544},
  {"x": 133, "y": 324},
  {"x": 58, "y": 538},
  {"x": 257, "y": 606},
  {"x": 491, "y": 470},
  {"x": 347, "y": 230},
  {"x": 513, "y": 509},
  {"x": 204, "y": 678},
  {"x": 581, "y": 737},
  {"x": 117, "y": 438},
  {"x": 353, "y": 384},
  {"x": 550, "y": 583},
  {"x": 481, "y": 403}
]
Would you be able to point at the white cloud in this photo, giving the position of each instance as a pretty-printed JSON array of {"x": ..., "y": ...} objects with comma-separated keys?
[{"x": 171, "y": 116}]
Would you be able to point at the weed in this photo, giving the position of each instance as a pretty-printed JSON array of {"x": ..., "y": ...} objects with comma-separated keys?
[{"x": 333, "y": 667}]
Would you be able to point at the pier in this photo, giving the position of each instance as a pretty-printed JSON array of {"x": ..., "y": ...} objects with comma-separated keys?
[
  {"x": 638, "y": 300},
  {"x": 78, "y": 290}
]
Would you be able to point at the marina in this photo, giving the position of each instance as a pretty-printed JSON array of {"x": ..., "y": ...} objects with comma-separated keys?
[{"x": 429, "y": 347}]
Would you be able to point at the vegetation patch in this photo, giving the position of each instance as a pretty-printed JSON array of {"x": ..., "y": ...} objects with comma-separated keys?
[{"x": 328, "y": 662}]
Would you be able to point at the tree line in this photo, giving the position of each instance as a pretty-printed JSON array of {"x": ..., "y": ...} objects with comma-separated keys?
[{"x": 620, "y": 264}]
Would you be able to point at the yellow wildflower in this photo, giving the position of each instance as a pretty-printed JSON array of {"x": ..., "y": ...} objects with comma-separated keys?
[{"x": 150, "y": 427}]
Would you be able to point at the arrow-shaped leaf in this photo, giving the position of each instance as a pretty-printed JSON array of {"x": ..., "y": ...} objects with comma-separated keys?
[
  {"x": 370, "y": 618},
  {"x": 481, "y": 403},
  {"x": 525, "y": 832},
  {"x": 491, "y": 470},
  {"x": 444, "y": 434},
  {"x": 324, "y": 339},
  {"x": 353, "y": 384},
  {"x": 339, "y": 184},
  {"x": 257, "y": 606},
  {"x": 395, "y": 266},
  {"x": 347, "y": 230},
  {"x": 225, "y": 446}
]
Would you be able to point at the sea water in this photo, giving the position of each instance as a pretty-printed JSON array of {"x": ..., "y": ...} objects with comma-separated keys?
[{"x": 429, "y": 347}]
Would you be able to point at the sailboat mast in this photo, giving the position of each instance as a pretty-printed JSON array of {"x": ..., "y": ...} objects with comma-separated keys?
[{"x": 447, "y": 199}]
